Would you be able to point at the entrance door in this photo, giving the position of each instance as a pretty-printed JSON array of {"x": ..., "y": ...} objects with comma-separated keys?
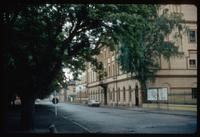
[{"x": 136, "y": 96}]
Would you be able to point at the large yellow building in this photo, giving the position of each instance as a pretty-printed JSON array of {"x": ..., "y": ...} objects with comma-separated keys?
[{"x": 177, "y": 79}]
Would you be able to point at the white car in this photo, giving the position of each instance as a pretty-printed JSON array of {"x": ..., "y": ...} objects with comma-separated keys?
[{"x": 93, "y": 103}]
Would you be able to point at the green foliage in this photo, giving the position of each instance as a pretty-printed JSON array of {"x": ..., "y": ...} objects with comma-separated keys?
[
  {"x": 142, "y": 41},
  {"x": 43, "y": 39}
]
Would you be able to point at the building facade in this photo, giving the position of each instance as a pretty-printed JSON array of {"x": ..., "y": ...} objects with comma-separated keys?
[
  {"x": 82, "y": 96},
  {"x": 175, "y": 83},
  {"x": 68, "y": 94}
]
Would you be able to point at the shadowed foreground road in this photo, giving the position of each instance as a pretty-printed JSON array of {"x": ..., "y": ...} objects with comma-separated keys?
[{"x": 44, "y": 116}]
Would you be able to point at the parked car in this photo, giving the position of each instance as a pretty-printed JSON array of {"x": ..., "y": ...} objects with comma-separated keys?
[
  {"x": 37, "y": 101},
  {"x": 93, "y": 103}
]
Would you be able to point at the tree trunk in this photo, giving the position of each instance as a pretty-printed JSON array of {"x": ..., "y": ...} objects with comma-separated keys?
[
  {"x": 2, "y": 76},
  {"x": 3, "y": 114},
  {"x": 143, "y": 92},
  {"x": 27, "y": 113}
]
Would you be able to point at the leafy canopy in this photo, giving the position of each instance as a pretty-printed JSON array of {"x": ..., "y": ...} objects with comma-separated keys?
[
  {"x": 43, "y": 39},
  {"x": 143, "y": 41}
]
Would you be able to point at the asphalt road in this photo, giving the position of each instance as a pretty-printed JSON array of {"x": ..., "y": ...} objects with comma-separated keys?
[{"x": 111, "y": 120}]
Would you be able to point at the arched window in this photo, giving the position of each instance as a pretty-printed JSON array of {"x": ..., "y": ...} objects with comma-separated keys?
[
  {"x": 113, "y": 94},
  {"x": 97, "y": 94},
  {"x": 130, "y": 95},
  {"x": 91, "y": 94},
  {"x": 118, "y": 94},
  {"x": 110, "y": 94},
  {"x": 113, "y": 69},
  {"x": 102, "y": 95},
  {"x": 109, "y": 71},
  {"x": 124, "y": 93}
]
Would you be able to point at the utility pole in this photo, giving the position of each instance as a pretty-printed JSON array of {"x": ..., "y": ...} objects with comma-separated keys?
[{"x": 80, "y": 94}]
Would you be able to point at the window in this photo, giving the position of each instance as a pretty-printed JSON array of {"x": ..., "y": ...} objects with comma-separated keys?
[
  {"x": 109, "y": 71},
  {"x": 110, "y": 95},
  {"x": 91, "y": 76},
  {"x": 113, "y": 95},
  {"x": 130, "y": 94},
  {"x": 192, "y": 62},
  {"x": 194, "y": 93},
  {"x": 192, "y": 35},
  {"x": 99, "y": 95},
  {"x": 113, "y": 69},
  {"x": 124, "y": 92},
  {"x": 95, "y": 77},
  {"x": 118, "y": 94}
]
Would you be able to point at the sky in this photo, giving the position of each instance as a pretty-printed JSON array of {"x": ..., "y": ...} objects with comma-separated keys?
[{"x": 68, "y": 74}]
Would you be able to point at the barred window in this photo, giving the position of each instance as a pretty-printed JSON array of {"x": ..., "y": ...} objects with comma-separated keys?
[
  {"x": 194, "y": 93},
  {"x": 192, "y": 63},
  {"x": 192, "y": 36}
]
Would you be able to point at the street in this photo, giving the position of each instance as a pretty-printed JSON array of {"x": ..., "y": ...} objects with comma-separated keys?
[{"x": 112, "y": 120}]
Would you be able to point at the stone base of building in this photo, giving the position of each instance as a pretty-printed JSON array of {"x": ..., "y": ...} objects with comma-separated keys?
[{"x": 170, "y": 106}]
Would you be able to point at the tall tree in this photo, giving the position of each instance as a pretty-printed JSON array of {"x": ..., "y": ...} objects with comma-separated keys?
[
  {"x": 143, "y": 42},
  {"x": 40, "y": 40}
]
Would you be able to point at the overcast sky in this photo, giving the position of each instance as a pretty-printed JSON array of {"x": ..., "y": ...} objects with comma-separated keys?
[{"x": 68, "y": 74}]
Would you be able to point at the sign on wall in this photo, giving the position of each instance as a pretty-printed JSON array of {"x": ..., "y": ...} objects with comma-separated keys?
[
  {"x": 152, "y": 94},
  {"x": 155, "y": 94},
  {"x": 162, "y": 93}
]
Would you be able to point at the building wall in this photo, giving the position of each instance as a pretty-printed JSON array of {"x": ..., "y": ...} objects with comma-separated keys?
[{"x": 177, "y": 74}]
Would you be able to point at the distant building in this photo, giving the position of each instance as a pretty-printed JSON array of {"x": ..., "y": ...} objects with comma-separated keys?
[
  {"x": 62, "y": 95},
  {"x": 71, "y": 91},
  {"x": 81, "y": 90}
]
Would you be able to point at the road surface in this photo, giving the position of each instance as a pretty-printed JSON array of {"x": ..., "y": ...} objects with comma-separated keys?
[{"x": 112, "y": 120}]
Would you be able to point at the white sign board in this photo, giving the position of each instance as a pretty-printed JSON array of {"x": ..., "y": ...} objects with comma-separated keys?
[
  {"x": 162, "y": 93},
  {"x": 152, "y": 94}
]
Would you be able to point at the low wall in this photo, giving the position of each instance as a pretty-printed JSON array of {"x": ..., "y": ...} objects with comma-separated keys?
[{"x": 170, "y": 106}]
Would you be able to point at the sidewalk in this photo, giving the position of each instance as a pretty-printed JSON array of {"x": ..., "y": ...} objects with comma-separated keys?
[
  {"x": 159, "y": 111},
  {"x": 44, "y": 116}
]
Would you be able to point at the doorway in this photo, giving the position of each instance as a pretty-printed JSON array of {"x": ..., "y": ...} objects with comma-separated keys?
[{"x": 136, "y": 96}]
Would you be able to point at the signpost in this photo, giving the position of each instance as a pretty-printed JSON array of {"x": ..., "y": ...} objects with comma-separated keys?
[
  {"x": 55, "y": 103},
  {"x": 162, "y": 94}
]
